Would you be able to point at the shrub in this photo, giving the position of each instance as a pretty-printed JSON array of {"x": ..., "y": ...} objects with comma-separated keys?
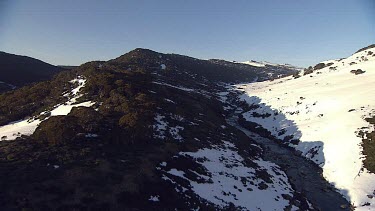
[
  {"x": 88, "y": 118},
  {"x": 308, "y": 70},
  {"x": 357, "y": 72},
  {"x": 319, "y": 66},
  {"x": 368, "y": 140},
  {"x": 58, "y": 130},
  {"x": 128, "y": 120}
]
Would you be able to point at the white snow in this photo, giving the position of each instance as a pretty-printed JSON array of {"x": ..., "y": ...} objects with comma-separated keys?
[
  {"x": 91, "y": 135},
  {"x": 253, "y": 63},
  {"x": 27, "y": 126},
  {"x": 176, "y": 87},
  {"x": 315, "y": 109},
  {"x": 81, "y": 83},
  {"x": 175, "y": 132},
  {"x": 163, "y": 66},
  {"x": 160, "y": 126},
  {"x": 223, "y": 96},
  {"x": 230, "y": 181},
  {"x": 264, "y": 63},
  {"x": 169, "y": 100},
  {"x": 154, "y": 198},
  {"x": 23, "y": 127},
  {"x": 64, "y": 109}
]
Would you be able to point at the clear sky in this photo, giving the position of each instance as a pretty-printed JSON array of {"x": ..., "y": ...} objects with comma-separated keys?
[{"x": 299, "y": 32}]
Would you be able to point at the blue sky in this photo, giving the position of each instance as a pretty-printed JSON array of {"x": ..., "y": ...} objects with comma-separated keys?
[{"x": 299, "y": 32}]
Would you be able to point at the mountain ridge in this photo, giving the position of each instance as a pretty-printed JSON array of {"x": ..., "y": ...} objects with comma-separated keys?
[{"x": 18, "y": 70}]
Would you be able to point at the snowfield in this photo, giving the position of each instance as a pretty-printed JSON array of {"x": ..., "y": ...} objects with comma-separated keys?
[
  {"x": 27, "y": 126},
  {"x": 324, "y": 110}
]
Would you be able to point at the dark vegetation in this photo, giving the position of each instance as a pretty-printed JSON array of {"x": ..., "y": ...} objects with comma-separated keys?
[
  {"x": 368, "y": 145},
  {"x": 21, "y": 70},
  {"x": 308, "y": 70},
  {"x": 322, "y": 65},
  {"x": 357, "y": 72},
  {"x": 318, "y": 66},
  {"x": 296, "y": 75}
]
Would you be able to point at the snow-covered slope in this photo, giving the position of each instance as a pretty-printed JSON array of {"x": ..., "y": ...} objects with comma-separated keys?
[{"x": 324, "y": 110}]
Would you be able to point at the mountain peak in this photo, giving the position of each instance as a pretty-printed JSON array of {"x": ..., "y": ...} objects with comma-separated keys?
[{"x": 140, "y": 52}]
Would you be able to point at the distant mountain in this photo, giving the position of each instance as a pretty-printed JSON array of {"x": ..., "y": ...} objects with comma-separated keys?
[
  {"x": 16, "y": 71},
  {"x": 265, "y": 63},
  {"x": 262, "y": 71},
  {"x": 68, "y": 67}
]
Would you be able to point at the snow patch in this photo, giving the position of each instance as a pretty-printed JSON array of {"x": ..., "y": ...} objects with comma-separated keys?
[
  {"x": 176, "y": 87},
  {"x": 175, "y": 132},
  {"x": 160, "y": 126},
  {"x": 154, "y": 198}
]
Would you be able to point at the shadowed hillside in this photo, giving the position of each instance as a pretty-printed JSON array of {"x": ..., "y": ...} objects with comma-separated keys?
[{"x": 16, "y": 71}]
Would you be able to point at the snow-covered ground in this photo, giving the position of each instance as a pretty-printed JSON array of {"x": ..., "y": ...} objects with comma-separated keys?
[
  {"x": 27, "y": 126},
  {"x": 228, "y": 180},
  {"x": 324, "y": 110}
]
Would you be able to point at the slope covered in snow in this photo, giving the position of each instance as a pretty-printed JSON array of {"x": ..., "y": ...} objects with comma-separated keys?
[{"x": 320, "y": 114}]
